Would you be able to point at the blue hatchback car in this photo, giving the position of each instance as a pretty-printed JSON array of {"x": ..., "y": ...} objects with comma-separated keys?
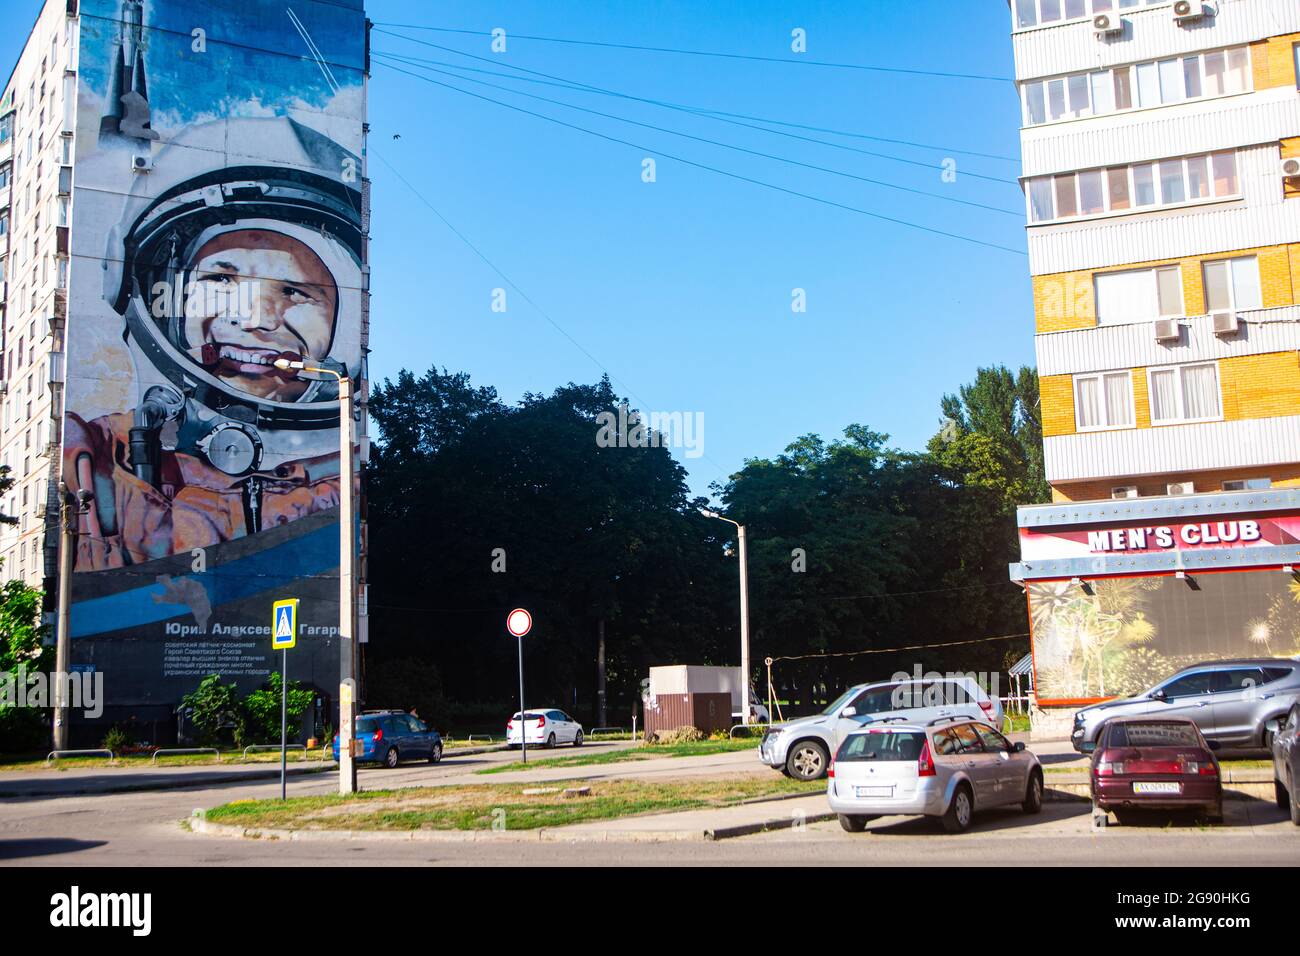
[{"x": 391, "y": 736}]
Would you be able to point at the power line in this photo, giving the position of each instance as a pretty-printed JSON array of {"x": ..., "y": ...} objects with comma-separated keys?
[
  {"x": 696, "y": 110},
  {"x": 714, "y": 115},
  {"x": 713, "y": 169},
  {"x": 1018, "y": 214},
  {"x": 715, "y": 53},
  {"x": 895, "y": 650}
]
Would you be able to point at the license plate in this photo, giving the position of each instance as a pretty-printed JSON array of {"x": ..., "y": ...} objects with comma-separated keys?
[
  {"x": 1157, "y": 787},
  {"x": 874, "y": 791}
]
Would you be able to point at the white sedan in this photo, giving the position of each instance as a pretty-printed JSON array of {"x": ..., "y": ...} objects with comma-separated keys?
[{"x": 544, "y": 728}]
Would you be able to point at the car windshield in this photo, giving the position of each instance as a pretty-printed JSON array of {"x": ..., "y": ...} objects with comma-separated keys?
[
  {"x": 839, "y": 703},
  {"x": 531, "y": 716},
  {"x": 882, "y": 745},
  {"x": 1153, "y": 734}
]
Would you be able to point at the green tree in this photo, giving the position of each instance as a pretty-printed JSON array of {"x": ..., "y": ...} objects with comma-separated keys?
[
  {"x": 213, "y": 706},
  {"x": 259, "y": 712},
  {"x": 22, "y": 651}
]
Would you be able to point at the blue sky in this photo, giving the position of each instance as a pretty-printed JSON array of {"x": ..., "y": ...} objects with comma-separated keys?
[{"x": 681, "y": 288}]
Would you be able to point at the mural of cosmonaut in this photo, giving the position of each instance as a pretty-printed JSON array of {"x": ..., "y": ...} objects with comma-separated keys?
[{"x": 216, "y": 227}]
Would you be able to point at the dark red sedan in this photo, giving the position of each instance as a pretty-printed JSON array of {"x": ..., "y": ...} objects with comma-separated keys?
[{"x": 1150, "y": 763}]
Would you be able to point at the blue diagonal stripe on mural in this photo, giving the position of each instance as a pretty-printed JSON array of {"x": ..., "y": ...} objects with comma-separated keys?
[{"x": 312, "y": 554}]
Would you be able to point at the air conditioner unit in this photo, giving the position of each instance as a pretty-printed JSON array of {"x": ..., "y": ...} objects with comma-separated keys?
[
  {"x": 1124, "y": 491},
  {"x": 1225, "y": 323},
  {"x": 1181, "y": 488},
  {"x": 1291, "y": 167},
  {"x": 1107, "y": 25},
  {"x": 40, "y": 509},
  {"x": 1168, "y": 330},
  {"x": 1189, "y": 11},
  {"x": 142, "y": 163}
]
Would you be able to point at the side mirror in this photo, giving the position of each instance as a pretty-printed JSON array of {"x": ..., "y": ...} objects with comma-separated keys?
[
  {"x": 1158, "y": 695},
  {"x": 1018, "y": 747},
  {"x": 1088, "y": 747},
  {"x": 849, "y": 712}
]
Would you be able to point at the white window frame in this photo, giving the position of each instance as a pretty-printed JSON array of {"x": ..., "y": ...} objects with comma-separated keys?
[
  {"x": 1153, "y": 271},
  {"x": 1135, "y": 95},
  {"x": 1100, "y": 378},
  {"x": 1091, "y": 7},
  {"x": 1178, "y": 371},
  {"x": 1231, "y": 264},
  {"x": 1133, "y": 207}
]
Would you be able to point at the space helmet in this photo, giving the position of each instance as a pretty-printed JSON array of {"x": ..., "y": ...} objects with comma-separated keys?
[{"x": 190, "y": 398}]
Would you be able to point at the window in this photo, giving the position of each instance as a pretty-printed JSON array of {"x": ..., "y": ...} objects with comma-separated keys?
[
  {"x": 1139, "y": 295},
  {"x": 1103, "y": 401},
  {"x": 1192, "y": 685},
  {"x": 1248, "y": 484},
  {"x": 1032, "y": 13},
  {"x": 1184, "y": 393},
  {"x": 1232, "y": 285},
  {"x": 1148, "y": 84},
  {"x": 1170, "y": 182}
]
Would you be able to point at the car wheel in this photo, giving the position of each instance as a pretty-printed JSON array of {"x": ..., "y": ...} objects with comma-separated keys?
[
  {"x": 853, "y": 822},
  {"x": 435, "y": 755},
  {"x": 550, "y": 742},
  {"x": 1295, "y": 803},
  {"x": 391, "y": 759},
  {"x": 807, "y": 760},
  {"x": 577, "y": 741},
  {"x": 1033, "y": 794},
  {"x": 1280, "y": 796},
  {"x": 1214, "y": 814},
  {"x": 957, "y": 818}
]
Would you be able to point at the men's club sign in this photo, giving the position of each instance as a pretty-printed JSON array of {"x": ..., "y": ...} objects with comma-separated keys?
[{"x": 1155, "y": 538}]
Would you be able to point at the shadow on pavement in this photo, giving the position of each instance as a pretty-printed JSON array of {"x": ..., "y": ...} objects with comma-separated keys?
[{"x": 22, "y": 849}]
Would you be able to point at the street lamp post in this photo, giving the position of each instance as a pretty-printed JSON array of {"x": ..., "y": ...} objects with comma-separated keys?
[
  {"x": 744, "y": 612},
  {"x": 70, "y": 506},
  {"x": 347, "y": 584}
]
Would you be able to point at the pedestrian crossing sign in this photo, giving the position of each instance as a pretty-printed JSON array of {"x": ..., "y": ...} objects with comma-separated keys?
[{"x": 284, "y": 624}]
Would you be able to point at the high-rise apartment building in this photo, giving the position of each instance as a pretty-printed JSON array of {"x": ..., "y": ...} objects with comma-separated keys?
[
  {"x": 1161, "y": 152},
  {"x": 36, "y": 136},
  {"x": 183, "y": 203}
]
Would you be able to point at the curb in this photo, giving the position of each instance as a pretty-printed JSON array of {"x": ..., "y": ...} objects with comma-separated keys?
[
  {"x": 200, "y": 824},
  {"x": 174, "y": 783}
]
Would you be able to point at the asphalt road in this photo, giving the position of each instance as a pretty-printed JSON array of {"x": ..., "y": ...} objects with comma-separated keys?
[{"x": 144, "y": 829}]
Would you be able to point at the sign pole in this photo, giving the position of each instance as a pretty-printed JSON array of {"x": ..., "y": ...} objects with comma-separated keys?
[
  {"x": 284, "y": 718},
  {"x": 284, "y": 635},
  {"x": 523, "y": 714},
  {"x": 519, "y": 622}
]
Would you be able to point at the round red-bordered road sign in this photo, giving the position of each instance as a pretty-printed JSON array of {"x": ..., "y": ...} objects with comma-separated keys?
[{"x": 519, "y": 622}]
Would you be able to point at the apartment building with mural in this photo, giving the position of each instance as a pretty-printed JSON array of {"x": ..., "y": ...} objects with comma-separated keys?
[
  {"x": 1161, "y": 171},
  {"x": 180, "y": 206}
]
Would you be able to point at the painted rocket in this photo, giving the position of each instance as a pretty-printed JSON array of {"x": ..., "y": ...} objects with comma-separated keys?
[{"x": 127, "y": 109}]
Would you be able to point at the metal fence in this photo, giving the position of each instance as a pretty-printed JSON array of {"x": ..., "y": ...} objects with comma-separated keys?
[
  {"x": 80, "y": 753},
  {"x": 187, "y": 750}
]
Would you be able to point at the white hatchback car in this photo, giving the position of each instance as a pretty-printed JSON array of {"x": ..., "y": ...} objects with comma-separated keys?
[
  {"x": 946, "y": 769},
  {"x": 544, "y": 728}
]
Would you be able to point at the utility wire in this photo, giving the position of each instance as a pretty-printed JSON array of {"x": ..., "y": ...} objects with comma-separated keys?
[
  {"x": 713, "y": 169},
  {"x": 697, "y": 110},
  {"x": 1017, "y": 213},
  {"x": 715, "y": 53},
  {"x": 895, "y": 650},
  {"x": 714, "y": 115}
]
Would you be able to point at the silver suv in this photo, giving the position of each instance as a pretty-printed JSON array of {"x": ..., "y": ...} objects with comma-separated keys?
[
  {"x": 1238, "y": 703},
  {"x": 802, "y": 748},
  {"x": 946, "y": 770}
]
